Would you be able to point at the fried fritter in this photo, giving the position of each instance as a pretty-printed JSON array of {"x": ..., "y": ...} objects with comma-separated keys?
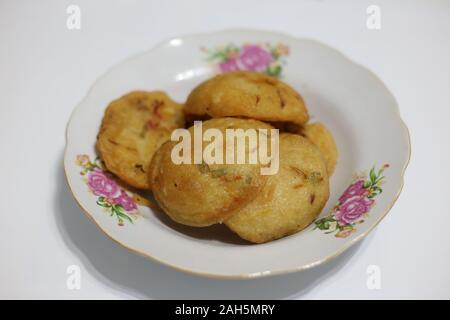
[
  {"x": 133, "y": 128},
  {"x": 291, "y": 199},
  {"x": 247, "y": 94},
  {"x": 318, "y": 134},
  {"x": 205, "y": 194}
]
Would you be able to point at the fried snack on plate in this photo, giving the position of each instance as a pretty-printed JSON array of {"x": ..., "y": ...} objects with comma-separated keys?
[
  {"x": 204, "y": 194},
  {"x": 133, "y": 128},
  {"x": 247, "y": 94},
  {"x": 318, "y": 134},
  {"x": 291, "y": 199}
]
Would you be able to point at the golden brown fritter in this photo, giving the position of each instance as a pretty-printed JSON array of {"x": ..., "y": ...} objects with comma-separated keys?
[
  {"x": 247, "y": 94},
  {"x": 291, "y": 199},
  {"x": 133, "y": 128},
  {"x": 323, "y": 139},
  {"x": 204, "y": 194}
]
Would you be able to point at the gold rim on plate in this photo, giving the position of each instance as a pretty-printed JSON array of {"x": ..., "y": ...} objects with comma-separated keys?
[{"x": 261, "y": 273}]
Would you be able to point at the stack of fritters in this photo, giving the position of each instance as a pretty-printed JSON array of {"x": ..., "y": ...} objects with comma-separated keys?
[{"x": 134, "y": 142}]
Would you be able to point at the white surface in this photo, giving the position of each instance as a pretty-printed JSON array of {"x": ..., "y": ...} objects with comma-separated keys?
[{"x": 45, "y": 70}]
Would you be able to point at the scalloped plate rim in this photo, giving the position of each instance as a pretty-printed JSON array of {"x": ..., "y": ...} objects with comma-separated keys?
[{"x": 266, "y": 273}]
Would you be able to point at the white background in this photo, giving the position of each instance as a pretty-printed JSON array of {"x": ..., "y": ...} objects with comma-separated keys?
[{"x": 45, "y": 70}]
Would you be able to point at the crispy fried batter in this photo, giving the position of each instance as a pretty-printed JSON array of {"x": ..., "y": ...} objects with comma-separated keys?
[
  {"x": 291, "y": 199},
  {"x": 247, "y": 94},
  {"x": 318, "y": 134},
  {"x": 202, "y": 194},
  {"x": 133, "y": 128}
]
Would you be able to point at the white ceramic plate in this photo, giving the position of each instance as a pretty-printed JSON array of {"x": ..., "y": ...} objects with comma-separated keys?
[{"x": 353, "y": 103}]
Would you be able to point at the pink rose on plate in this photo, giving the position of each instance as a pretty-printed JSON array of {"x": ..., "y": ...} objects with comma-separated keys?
[
  {"x": 102, "y": 185},
  {"x": 255, "y": 58},
  {"x": 125, "y": 201},
  {"x": 355, "y": 189},
  {"x": 229, "y": 65},
  {"x": 352, "y": 209}
]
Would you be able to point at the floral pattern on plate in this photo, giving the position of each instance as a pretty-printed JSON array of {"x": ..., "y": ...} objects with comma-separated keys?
[
  {"x": 261, "y": 57},
  {"x": 109, "y": 194},
  {"x": 354, "y": 204}
]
